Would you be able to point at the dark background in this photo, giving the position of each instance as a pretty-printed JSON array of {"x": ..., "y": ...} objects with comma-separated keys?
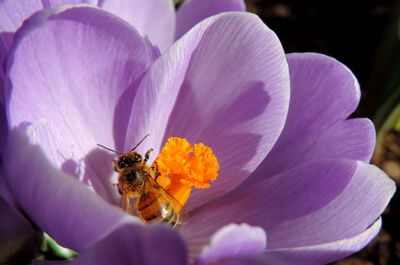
[
  {"x": 356, "y": 33},
  {"x": 364, "y": 35}
]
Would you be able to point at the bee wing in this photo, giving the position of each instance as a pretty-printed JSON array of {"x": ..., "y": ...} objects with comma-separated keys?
[
  {"x": 128, "y": 203},
  {"x": 167, "y": 204}
]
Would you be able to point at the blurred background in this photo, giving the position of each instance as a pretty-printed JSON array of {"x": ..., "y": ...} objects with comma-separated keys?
[{"x": 364, "y": 35}]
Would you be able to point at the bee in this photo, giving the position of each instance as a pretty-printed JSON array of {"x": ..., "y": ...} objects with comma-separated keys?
[{"x": 141, "y": 195}]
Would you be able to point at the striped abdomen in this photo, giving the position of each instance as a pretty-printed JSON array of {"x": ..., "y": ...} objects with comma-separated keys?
[{"x": 153, "y": 207}]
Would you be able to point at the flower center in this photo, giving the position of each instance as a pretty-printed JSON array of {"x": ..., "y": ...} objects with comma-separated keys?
[{"x": 183, "y": 166}]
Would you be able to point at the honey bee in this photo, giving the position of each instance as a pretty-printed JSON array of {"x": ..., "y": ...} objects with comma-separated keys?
[{"x": 141, "y": 195}]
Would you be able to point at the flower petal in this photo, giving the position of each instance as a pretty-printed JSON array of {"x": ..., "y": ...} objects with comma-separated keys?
[
  {"x": 78, "y": 68},
  {"x": 152, "y": 18},
  {"x": 234, "y": 241},
  {"x": 55, "y": 201},
  {"x": 135, "y": 244},
  {"x": 18, "y": 241},
  {"x": 5, "y": 46},
  {"x": 224, "y": 84},
  {"x": 323, "y": 94},
  {"x": 3, "y": 127},
  {"x": 192, "y": 12},
  {"x": 11, "y": 20},
  {"x": 95, "y": 169},
  {"x": 311, "y": 204},
  {"x": 4, "y": 192},
  {"x": 254, "y": 260},
  {"x": 328, "y": 252},
  {"x": 13, "y": 13}
]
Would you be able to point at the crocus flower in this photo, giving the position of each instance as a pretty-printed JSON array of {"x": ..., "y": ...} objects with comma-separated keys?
[
  {"x": 294, "y": 185},
  {"x": 139, "y": 14}
]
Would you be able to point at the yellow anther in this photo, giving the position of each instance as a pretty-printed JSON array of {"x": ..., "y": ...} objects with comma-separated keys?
[{"x": 183, "y": 166}]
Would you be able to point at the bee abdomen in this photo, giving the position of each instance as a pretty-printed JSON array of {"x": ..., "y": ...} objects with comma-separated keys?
[
  {"x": 154, "y": 208},
  {"x": 172, "y": 218},
  {"x": 148, "y": 203},
  {"x": 148, "y": 207}
]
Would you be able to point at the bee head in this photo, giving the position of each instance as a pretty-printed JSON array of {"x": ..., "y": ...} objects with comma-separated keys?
[{"x": 129, "y": 159}]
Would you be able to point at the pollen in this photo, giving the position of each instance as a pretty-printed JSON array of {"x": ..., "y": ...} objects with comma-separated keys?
[{"x": 183, "y": 166}]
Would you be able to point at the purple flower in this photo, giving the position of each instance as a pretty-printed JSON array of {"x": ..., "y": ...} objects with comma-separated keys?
[{"x": 294, "y": 186}]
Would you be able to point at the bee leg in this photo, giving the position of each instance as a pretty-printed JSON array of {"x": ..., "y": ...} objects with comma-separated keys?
[
  {"x": 147, "y": 155},
  {"x": 154, "y": 167},
  {"x": 119, "y": 189},
  {"x": 157, "y": 175},
  {"x": 115, "y": 166}
]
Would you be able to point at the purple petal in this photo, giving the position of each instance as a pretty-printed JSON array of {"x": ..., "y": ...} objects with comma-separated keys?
[
  {"x": 4, "y": 192},
  {"x": 136, "y": 244},
  {"x": 50, "y": 3},
  {"x": 13, "y": 13},
  {"x": 3, "y": 127},
  {"x": 192, "y": 12},
  {"x": 323, "y": 94},
  {"x": 234, "y": 241},
  {"x": 152, "y": 18},
  {"x": 236, "y": 102},
  {"x": 328, "y": 252},
  {"x": 10, "y": 20},
  {"x": 18, "y": 240},
  {"x": 311, "y": 204},
  {"x": 224, "y": 84},
  {"x": 94, "y": 169},
  {"x": 254, "y": 260},
  {"x": 56, "y": 202},
  {"x": 81, "y": 78},
  {"x": 5, "y": 46}
]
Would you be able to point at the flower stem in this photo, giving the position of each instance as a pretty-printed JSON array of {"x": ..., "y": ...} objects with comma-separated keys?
[{"x": 50, "y": 245}]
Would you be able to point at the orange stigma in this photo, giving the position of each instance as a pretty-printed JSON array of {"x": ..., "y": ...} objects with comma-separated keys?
[{"x": 183, "y": 166}]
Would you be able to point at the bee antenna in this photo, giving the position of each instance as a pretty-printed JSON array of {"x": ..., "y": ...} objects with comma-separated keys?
[
  {"x": 109, "y": 149},
  {"x": 139, "y": 142}
]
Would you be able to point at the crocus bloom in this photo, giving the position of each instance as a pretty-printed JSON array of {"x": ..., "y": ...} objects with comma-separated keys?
[
  {"x": 139, "y": 14},
  {"x": 293, "y": 171}
]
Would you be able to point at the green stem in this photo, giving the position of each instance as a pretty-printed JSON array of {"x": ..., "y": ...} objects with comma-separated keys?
[
  {"x": 392, "y": 122},
  {"x": 57, "y": 250},
  {"x": 385, "y": 109}
]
